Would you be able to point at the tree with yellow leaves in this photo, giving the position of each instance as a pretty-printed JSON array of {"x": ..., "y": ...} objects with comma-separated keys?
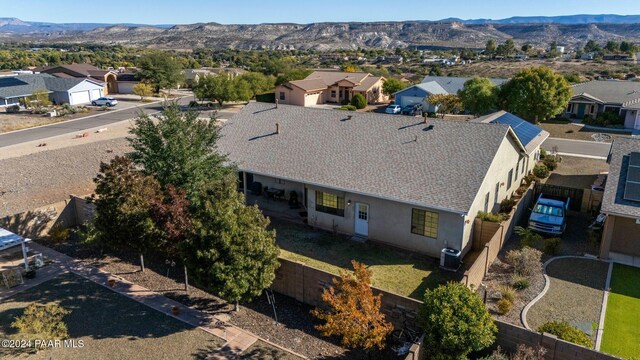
[{"x": 353, "y": 311}]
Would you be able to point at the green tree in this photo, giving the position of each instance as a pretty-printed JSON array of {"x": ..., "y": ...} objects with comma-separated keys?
[
  {"x": 179, "y": 149},
  {"x": 612, "y": 46},
  {"x": 455, "y": 322},
  {"x": 490, "y": 48},
  {"x": 526, "y": 48},
  {"x": 479, "y": 96},
  {"x": 592, "y": 46},
  {"x": 291, "y": 75},
  {"x": 143, "y": 90},
  {"x": 627, "y": 47},
  {"x": 38, "y": 99},
  {"x": 232, "y": 254},
  {"x": 123, "y": 198},
  {"x": 222, "y": 88},
  {"x": 258, "y": 82},
  {"x": 392, "y": 86},
  {"x": 553, "y": 50},
  {"x": 536, "y": 94},
  {"x": 42, "y": 322},
  {"x": 446, "y": 103},
  {"x": 160, "y": 69},
  {"x": 353, "y": 311},
  {"x": 359, "y": 101}
]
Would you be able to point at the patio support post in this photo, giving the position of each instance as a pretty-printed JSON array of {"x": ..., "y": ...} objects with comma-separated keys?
[
  {"x": 244, "y": 186},
  {"x": 24, "y": 254}
]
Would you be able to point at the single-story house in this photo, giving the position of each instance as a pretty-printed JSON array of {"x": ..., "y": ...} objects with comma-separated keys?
[
  {"x": 193, "y": 75},
  {"x": 598, "y": 96},
  {"x": 88, "y": 71},
  {"x": 73, "y": 91},
  {"x": 333, "y": 87},
  {"x": 418, "y": 94},
  {"x": 621, "y": 203},
  {"x": 454, "y": 84},
  {"x": 411, "y": 183}
]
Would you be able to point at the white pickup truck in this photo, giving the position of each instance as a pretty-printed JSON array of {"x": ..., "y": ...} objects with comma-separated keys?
[{"x": 549, "y": 215}]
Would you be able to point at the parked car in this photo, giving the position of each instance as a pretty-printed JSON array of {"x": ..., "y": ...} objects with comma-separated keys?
[
  {"x": 413, "y": 110},
  {"x": 108, "y": 101},
  {"x": 549, "y": 215},
  {"x": 393, "y": 109}
]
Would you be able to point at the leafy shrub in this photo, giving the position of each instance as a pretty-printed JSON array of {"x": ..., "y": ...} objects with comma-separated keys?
[
  {"x": 603, "y": 119},
  {"x": 344, "y": 102},
  {"x": 497, "y": 354},
  {"x": 543, "y": 154},
  {"x": 521, "y": 190},
  {"x": 431, "y": 114},
  {"x": 507, "y": 292},
  {"x": 520, "y": 282},
  {"x": 42, "y": 322},
  {"x": 58, "y": 233},
  {"x": 455, "y": 322},
  {"x": 528, "y": 179},
  {"x": 528, "y": 237},
  {"x": 504, "y": 306},
  {"x": 566, "y": 332},
  {"x": 526, "y": 261},
  {"x": 491, "y": 217},
  {"x": 347, "y": 108},
  {"x": 507, "y": 205},
  {"x": 359, "y": 101},
  {"x": 13, "y": 109},
  {"x": 551, "y": 162},
  {"x": 551, "y": 245},
  {"x": 541, "y": 171}
]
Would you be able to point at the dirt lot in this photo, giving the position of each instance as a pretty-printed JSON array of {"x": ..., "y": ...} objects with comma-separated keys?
[
  {"x": 567, "y": 130},
  {"x": 577, "y": 172},
  {"x": 24, "y": 120}
]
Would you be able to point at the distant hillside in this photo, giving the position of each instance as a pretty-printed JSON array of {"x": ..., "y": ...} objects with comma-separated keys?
[{"x": 344, "y": 35}]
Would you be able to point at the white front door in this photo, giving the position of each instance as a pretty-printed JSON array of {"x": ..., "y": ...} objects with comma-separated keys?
[{"x": 362, "y": 219}]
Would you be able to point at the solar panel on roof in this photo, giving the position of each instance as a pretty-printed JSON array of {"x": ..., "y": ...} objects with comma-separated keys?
[
  {"x": 524, "y": 130},
  {"x": 633, "y": 174},
  {"x": 632, "y": 191},
  {"x": 634, "y": 159},
  {"x": 11, "y": 81}
]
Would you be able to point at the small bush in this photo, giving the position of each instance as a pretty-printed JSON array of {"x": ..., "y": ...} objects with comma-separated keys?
[
  {"x": 344, "y": 102},
  {"x": 359, "y": 101},
  {"x": 526, "y": 261},
  {"x": 42, "y": 322},
  {"x": 13, "y": 109},
  {"x": 551, "y": 162},
  {"x": 504, "y": 306},
  {"x": 491, "y": 217},
  {"x": 528, "y": 237},
  {"x": 193, "y": 104},
  {"x": 431, "y": 114},
  {"x": 347, "y": 108},
  {"x": 521, "y": 190},
  {"x": 551, "y": 245},
  {"x": 566, "y": 332},
  {"x": 526, "y": 353},
  {"x": 541, "y": 171},
  {"x": 520, "y": 282},
  {"x": 529, "y": 179},
  {"x": 507, "y": 205},
  {"x": 507, "y": 292},
  {"x": 497, "y": 354},
  {"x": 543, "y": 154},
  {"x": 58, "y": 233}
]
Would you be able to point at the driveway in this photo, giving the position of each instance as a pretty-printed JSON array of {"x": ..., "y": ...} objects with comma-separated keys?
[
  {"x": 79, "y": 125},
  {"x": 579, "y": 148}
]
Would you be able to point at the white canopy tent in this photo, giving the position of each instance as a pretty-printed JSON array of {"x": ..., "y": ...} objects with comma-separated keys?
[{"x": 10, "y": 240}]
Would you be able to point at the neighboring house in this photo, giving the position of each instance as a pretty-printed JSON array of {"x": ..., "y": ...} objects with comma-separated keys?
[
  {"x": 454, "y": 84},
  {"x": 598, "y": 96},
  {"x": 61, "y": 91},
  {"x": 334, "y": 87},
  {"x": 86, "y": 71},
  {"x": 193, "y": 75},
  {"x": 393, "y": 179},
  {"x": 621, "y": 203},
  {"x": 588, "y": 56},
  {"x": 419, "y": 94},
  {"x": 126, "y": 82}
]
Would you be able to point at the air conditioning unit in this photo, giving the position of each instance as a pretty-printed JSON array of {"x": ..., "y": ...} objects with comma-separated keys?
[{"x": 450, "y": 259}]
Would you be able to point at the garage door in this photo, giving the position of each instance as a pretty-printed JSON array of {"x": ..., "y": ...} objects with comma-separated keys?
[
  {"x": 409, "y": 100},
  {"x": 80, "y": 97},
  {"x": 95, "y": 94}
]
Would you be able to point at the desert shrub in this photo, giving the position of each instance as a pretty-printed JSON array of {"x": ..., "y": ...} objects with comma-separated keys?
[
  {"x": 507, "y": 292},
  {"x": 520, "y": 282},
  {"x": 566, "y": 332},
  {"x": 609, "y": 119},
  {"x": 504, "y": 306},
  {"x": 551, "y": 162},
  {"x": 521, "y": 190},
  {"x": 347, "y": 108},
  {"x": 497, "y": 354},
  {"x": 541, "y": 171},
  {"x": 58, "y": 233},
  {"x": 526, "y": 261},
  {"x": 551, "y": 245},
  {"x": 13, "y": 109},
  {"x": 528, "y": 237},
  {"x": 529, "y": 179},
  {"x": 42, "y": 322},
  {"x": 526, "y": 353},
  {"x": 507, "y": 205},
  {"x": 492, "y": 217},
  {"x": 359, "y": 101}
]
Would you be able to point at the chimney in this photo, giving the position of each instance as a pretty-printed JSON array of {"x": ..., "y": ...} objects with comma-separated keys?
[
  {"x": 425, "y": 117},
  {"x": 277, "y": 128}
]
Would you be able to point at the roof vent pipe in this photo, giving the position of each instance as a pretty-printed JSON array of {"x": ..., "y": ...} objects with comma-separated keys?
[
  {"x": 276, "y": 103},
  {"x": 349, "y": 117},
  {"x": 277, "y": 128}
]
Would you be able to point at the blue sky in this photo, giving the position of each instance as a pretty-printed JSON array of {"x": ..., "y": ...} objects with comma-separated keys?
[{"x": 298, "y": 11}]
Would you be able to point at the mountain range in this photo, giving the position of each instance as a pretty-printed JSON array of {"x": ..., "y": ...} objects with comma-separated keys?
[{"x": 573, "y": 30}]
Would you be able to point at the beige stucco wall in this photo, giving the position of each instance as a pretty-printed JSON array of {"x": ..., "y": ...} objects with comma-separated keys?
[
  {"x": 389, "y": 222},
  {"x": 293, "y": 96},
  {"x": 625, "y": 238}
]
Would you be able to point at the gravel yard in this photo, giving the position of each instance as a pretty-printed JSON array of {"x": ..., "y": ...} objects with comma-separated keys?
[
  {"x": 294, "y": 329},
  {"x": 577, "y": 172},
  {"x": 35, "y": 180},
  {"x": 575, "y": 294},
  {"x": 567, "y": 130}
]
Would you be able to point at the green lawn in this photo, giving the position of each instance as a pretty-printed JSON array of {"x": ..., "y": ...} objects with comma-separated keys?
[
  {"x": 112, "y": 326},
  {"x": 394, "y": 270},
  {"x": 621, "y": 335}
]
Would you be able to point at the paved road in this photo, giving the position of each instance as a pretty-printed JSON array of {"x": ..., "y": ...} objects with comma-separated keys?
[
  {"x": 577, "y": 147},
  {"x": 82, "y": 124}
]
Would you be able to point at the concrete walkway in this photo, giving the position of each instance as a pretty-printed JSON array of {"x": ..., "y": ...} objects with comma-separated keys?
[{"x": 237, "y": 340}]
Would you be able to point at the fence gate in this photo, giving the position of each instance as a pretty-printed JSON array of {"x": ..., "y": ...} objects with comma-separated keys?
[{"x": 574, "y": 194}]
